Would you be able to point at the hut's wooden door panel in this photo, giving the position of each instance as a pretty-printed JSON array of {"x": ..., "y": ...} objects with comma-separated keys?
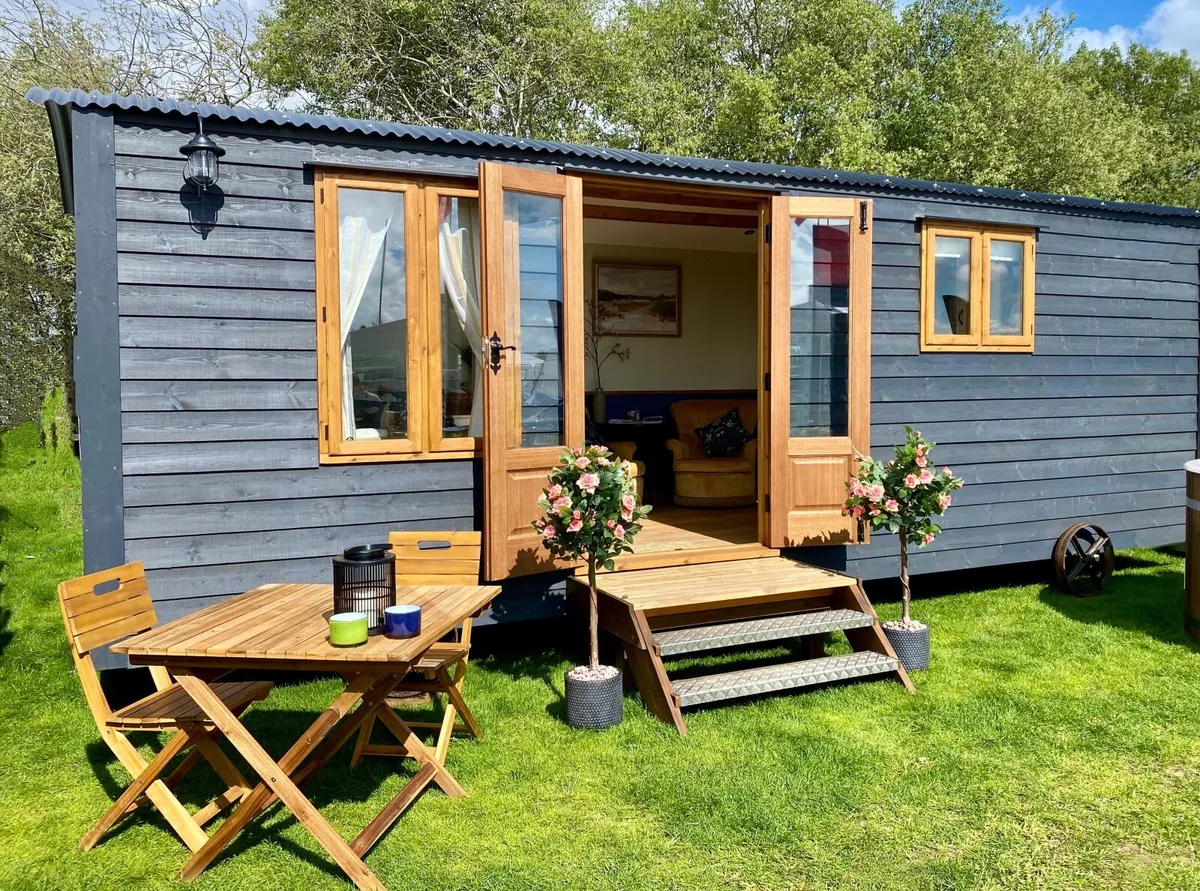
[
  {"x": 819, "y": 358},
  {"x": 533, "y": 352}
]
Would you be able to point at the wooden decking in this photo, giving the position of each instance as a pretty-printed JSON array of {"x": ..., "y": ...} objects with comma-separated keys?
[{"x": 680, "y": 536}]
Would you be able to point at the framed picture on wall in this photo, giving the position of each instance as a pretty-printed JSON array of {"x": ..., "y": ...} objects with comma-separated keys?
[{"x": 638, "y": 300}]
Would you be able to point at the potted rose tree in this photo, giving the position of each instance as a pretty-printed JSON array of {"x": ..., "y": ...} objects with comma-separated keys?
[
  {"x": 904, "y": 496},
  {"x": 590, "y": 511}
]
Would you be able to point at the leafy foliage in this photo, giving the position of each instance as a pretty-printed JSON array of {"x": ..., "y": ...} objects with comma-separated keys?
[{"x": 590, "y": 510}]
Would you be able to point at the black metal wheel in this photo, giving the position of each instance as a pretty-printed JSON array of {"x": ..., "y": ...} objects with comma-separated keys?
[{"x": 1083, "y": 560}]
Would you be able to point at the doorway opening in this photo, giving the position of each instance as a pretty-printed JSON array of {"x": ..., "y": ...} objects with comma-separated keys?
[{"x": 673, "y": 281}]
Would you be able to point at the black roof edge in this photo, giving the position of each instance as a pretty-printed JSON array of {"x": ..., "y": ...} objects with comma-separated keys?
[{"x": 570, "y": 155}]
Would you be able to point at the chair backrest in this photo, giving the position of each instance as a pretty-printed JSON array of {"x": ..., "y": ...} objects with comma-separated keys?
[
  {"x": 692, "y": 413},
  {"x": 102, "y": 608},
  {"x": 439, "y": 558}
]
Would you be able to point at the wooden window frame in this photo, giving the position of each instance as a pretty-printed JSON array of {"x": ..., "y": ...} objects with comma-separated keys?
[
  {"x": 423, "y": 305},
  {"x": 980, "y": 338}
]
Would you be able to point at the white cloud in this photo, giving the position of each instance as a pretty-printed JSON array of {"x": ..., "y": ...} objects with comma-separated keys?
[{"x": 1172, "y": 25}]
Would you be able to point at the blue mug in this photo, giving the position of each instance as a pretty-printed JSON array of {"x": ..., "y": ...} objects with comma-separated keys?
[{"x": 403, "y": 620}]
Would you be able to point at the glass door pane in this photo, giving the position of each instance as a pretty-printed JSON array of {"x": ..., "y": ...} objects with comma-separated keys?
[
  {"x": 533, "y": 227},
  {"x": 820, "y": 326}
]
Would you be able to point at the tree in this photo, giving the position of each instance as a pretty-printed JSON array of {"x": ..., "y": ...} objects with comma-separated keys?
[
  {"x": 520, "y": 67},
  {"x": 186, "y": 48}
]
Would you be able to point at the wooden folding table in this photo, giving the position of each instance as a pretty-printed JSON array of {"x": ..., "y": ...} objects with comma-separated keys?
[{"x": 284, "y": 628}]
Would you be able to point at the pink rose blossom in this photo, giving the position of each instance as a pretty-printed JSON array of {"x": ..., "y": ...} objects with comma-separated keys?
[
  {"x": 921, "y": 460},
  {"x": 562, "y": 504},
  {"x": 946, "y": 471},
  {"x": 892, "y": 505},
  {"x": 588, "y": 482},
  {"x": 576, "y": 452},
  {"x": 582, "y": 462},
  {"x": 554, "y": 491},
  {"x": 920, "y": 452},
  {"x": 611, "y": 523},
  {"x": 619, "y": 532},
  {"x": 575, "y": 525},
  {"x": 943, "y": 501},
  {"x": 874, "y": 512},
  {"x": 926, "y": 476},
  {"x": 857, "y": 512},
  {"x": 628, "y": 501},
  {"x": 928, "y": 538},
  {"x": 603, "y": 462},
  {"x": 548, "y": 533},
  {"x": 910, "y": 481},
  {"x": 626, "y": 515},
  {"x": 875, "y": 492}
]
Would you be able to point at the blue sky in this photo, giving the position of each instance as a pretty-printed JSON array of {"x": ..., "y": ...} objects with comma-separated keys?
[{"x": 1169, "y": 24}]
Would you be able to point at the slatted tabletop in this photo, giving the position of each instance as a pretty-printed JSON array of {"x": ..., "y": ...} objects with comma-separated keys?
[
  {"x": 739, "y": 581},
  {"x": 284, "y": 624}
]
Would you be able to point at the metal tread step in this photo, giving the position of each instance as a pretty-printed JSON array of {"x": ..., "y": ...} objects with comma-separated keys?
[
  {"x": 736, "y": 634},
  {"x": 785, "y": 676}
]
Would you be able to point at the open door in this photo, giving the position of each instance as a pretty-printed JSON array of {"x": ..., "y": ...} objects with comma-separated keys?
[
  {"x": 533, "y": 352},
  {"x": 819, "y": 363}
]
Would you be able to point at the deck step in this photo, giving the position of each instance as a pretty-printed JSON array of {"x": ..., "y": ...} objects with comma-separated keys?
[
  {"x": 755, "y": 631},
  {"x": 786, "y": 676}
]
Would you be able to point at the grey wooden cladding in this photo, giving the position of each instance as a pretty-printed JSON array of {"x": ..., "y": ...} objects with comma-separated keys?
[
  {"x": 216, "y": 426},
  {"x": 249, "y": 180},
  {"x": 275, "y": 544},
  {"x": 186, "y": 395},
  {"x": 1040, "y": 409},
  {"x": 331, "y": 481},
  {"x": 229, "y": 272},
  {"x": 223, "y": 241},
  {"x": 196, "y": 457},
  {"x": 235, "y": 211},
  {"x": 216, "y": 364},
  {"x": 189, "y": 301},
  {"x": 219, "y": 334}
]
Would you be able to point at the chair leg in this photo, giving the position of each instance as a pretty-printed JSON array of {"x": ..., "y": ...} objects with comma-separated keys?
[
  {"x": 363, "y": 741},
  {"x": 237, "y": 787},
  {"x": 141, "y": 783},
  {"x": 172, "y": 810}
]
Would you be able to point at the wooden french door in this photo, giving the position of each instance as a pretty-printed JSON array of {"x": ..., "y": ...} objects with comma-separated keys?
[
  {"x": 533, "y": 316},
  {"x": 819, "y": 361}
]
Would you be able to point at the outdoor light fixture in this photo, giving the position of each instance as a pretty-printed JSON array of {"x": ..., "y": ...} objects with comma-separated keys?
[{"x": 202, "y": 165}]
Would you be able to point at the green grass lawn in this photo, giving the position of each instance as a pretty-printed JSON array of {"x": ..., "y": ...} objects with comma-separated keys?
[{"x": 1055, "y": 743}]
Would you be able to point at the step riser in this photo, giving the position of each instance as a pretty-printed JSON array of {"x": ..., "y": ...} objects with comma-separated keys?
[
  {"x": 762, "y": 631},
  {"x": 778, "y": 678}
]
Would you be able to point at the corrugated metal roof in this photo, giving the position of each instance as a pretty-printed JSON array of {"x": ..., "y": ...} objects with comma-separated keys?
[{"x": 772, "y": 175}]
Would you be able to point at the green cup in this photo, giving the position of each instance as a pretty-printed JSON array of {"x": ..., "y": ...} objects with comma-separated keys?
[{"x": 348, "y": 629}]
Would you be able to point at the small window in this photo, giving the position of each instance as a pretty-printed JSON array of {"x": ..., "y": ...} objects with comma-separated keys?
[
  {"x": 976, "y": 288},
  {"x": 398, "y": 318}
]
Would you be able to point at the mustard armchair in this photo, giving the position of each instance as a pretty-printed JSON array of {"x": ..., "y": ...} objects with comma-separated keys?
[{"x": 701, "y": 481}]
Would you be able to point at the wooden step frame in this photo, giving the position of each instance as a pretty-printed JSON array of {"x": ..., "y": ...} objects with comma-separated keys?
[{"x": 632, "y": 620}]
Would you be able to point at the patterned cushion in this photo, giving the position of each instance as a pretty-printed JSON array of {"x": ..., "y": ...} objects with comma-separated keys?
[{"x": 724, "y": 437}]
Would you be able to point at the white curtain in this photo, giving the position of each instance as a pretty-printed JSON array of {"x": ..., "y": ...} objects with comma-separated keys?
[
  {"x": 361, "y": 233},
  {"x": 457, "y": 252}
]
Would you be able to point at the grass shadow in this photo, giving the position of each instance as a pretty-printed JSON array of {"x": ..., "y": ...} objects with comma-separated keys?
[
  {"x": 1147, "y": 602},
  {"x": 5, "y": 618}
]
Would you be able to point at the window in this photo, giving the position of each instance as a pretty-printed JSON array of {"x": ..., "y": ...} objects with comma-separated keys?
[
  {"x": 976, "y": 288},
  {"x": 398, "y": 344}
]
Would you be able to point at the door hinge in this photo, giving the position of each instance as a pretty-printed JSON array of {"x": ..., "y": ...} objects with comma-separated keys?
[
  {"x": 324, "y": 314},
  {"x": 767, "y": 233},
  {"x": 322, "y": 194},
  {"x": 326, "y": 432},
  {"x": 862, "y": 216},
  {"x": 767, "y": 502},
  {"x": 767, "y": 382}
]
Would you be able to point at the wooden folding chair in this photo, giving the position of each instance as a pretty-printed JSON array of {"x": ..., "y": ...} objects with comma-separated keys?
[
  {"x": 434, "y": 558},
  {"x": 108, "y": 606}
]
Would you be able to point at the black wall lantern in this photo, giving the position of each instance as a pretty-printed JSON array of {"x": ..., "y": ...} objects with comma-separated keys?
[{"x": 202, "y": 168}]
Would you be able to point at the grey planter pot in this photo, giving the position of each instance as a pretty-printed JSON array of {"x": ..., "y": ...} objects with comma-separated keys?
[
  {"x": 594, "y": 705},
  {"x": 911, "y": 645}
]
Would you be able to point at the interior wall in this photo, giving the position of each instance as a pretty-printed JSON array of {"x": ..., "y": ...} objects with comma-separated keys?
[{"x": 719, "y": 342}]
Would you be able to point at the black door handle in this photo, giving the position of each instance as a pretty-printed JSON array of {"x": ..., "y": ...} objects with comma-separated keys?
[{"x": 493, "y": 352}]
